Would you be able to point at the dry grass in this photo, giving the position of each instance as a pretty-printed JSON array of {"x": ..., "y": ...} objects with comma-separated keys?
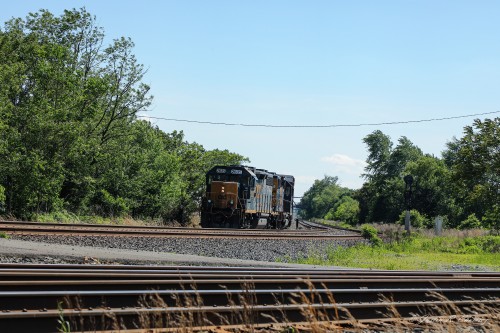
[{"x": 319, "y": 313}]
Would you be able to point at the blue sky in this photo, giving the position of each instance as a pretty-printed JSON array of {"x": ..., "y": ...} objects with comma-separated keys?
[{"x": 308, "y": 63}]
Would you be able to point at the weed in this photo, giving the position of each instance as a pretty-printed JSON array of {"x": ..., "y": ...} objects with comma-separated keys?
[
  {"x": 64, "y": 325},
  {"x": 414, "y": 252}
]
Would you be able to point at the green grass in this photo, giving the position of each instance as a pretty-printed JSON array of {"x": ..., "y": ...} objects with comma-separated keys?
[
  {"x": 334, "y": 223},
  {"x": 3, "y": 235},
  {"x": 70, "y": 218},
  {"x": 420, "y": 253}
]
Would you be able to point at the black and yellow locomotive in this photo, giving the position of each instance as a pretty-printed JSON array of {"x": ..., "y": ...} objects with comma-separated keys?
[{"x": 240, "y": 196}]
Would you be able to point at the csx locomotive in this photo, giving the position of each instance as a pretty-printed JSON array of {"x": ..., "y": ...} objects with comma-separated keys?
[{"x": 240, "y": 196}]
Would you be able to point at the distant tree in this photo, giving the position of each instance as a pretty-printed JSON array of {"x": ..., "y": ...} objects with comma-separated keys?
[
  {"x": 379, "y": 152},
  {"x": 404, "y": 153},
  {"x": 381, "y": 197},
  {"x": 433, "y": 189},
  {"x": 475, "y": 164},
  {"x": 323, "y": 196},
  {"x": 345, "y": 210}
]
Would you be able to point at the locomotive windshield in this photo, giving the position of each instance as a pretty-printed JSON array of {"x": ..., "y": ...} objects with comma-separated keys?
[{"x": 225, "y": 178}]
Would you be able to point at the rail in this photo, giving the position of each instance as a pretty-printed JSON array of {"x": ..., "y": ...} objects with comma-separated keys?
[{"x": 34, "y": 297}]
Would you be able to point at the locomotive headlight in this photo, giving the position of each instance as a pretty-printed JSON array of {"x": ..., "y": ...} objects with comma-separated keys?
[
  {"x": 231, "y": 202},
  {"x": 209, "y": 201}
]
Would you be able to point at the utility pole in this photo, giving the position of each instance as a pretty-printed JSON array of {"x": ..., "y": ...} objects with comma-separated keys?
[{"x": 408, "y": 191}]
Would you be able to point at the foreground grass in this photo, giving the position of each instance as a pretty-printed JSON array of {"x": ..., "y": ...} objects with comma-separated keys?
[{"x": 420, "y": 253}]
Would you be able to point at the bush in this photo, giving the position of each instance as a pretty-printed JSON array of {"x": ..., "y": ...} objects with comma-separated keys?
[
  {"x": 471, "y": 222},
  {"x": 491, "y": 219},
  {"x": 370, "y": 233},
  {"x": 106, "y": 204},
  {"x": 417, "y": 220}
]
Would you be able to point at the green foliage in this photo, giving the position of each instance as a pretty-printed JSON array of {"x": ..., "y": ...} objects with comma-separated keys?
[
  {"x": 417, "y": 220},
  {"x": 325, "y": 197},
  {"x": 370, "y": 233},
  {"x": 471, "y": 222},
  {"x": 4, "y": 235},
  {"x": 491, "y": 218},
  {"x": 59, "y": 216},
  {"x": 64, "y": 325},
  {"x": 418, "y": 252},
  {"x": 473, "y": 160},
  {"x": 2, "y": 198},
  {"x": 346, "y": 210},
  {"x": 466, "y": 181},
  {"x": 70, "y": 140},
  {"x": 381, "y": 197},
  {"x": 432, "y": 193}
]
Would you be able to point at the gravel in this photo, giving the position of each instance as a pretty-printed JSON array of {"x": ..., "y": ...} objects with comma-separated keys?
[{"x": 270, "y": 250}]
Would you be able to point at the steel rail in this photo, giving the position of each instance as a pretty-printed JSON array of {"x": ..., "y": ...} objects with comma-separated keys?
[
  {"x": 30, "y": 294},
  {"x": 237, "y": 270},
  {"x": 5, "y": 224},
  {"x": 150, "y": 231},
  {"x": 203, "y": 316}
]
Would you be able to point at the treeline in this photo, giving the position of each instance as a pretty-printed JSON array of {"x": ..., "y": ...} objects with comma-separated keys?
[
  {"x": 462, "y": 186},
  {"x": 70, "y": 139}
]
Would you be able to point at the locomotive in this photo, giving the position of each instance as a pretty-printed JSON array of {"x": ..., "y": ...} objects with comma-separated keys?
[{"x": 239, "y": 196}]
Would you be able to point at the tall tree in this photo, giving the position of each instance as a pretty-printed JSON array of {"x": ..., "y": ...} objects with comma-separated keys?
[
  {"x": 475, "y": 164},
  {"x": 69, "y": 134},
  {"x": 381, "y": 198},
  {"x": 379, "y": 151}
]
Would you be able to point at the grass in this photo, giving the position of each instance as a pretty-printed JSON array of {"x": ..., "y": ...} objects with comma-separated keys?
[
  {"x": 418, "y": 252},
  {"x": 339, "y": 224},
  {"x": 3, "y": 235},
  {"x": 190, "y": 314},
  {"x": 70, "y": 218}
]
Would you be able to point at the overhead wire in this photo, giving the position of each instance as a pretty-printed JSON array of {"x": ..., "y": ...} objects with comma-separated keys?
[{"x": 319, "y": 126}]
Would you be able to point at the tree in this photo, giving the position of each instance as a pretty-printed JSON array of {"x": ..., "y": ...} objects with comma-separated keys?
[
  {"x": 346, "y": 210},
  {"x": 379, "y": 151},
  {"x": 69, "y": 134},
  {"x": 322, "y": 197},
  {"x": 433, "y": 188},
  {"x": 475, "y": 164},
  {"x": 381, "y": 197}
]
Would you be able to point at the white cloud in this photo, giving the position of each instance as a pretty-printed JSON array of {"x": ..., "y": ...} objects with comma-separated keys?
[{"x": 345, "y": 164}]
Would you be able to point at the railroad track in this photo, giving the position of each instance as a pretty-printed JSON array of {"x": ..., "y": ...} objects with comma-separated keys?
[
  {"x": 23, "y": 228},
  {"x": 107, "y": 297}
]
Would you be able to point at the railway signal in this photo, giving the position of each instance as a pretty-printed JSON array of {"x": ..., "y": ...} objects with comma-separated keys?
[{"x": 407, "y": 195}]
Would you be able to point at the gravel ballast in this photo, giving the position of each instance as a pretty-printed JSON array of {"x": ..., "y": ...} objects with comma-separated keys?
[{"x": 270, "y": 250}]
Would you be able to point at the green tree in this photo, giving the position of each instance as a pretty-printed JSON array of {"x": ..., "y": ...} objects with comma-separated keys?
[
  {"x": 69, "y": 134},
  {"x": 379, "y": 153},
  {"x": 381, "y": 197},
  {"x": 433, "y": 188},
  {"x": 323, "y": 196},
  {"x": 474, "y": 160},
  {"x": 347, "y": 210}
]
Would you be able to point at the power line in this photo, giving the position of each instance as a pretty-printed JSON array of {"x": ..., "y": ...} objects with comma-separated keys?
[{"x": 320, "y": 126}]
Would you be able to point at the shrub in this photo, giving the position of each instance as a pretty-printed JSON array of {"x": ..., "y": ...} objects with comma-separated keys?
[
  {"x": 370, "y": 233},
  {"x": 491, "y": 219},
  {"x": 108, "y": 205},
  {"x": 471, "y": 222},
  {"x": 417, "y": 220}
]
